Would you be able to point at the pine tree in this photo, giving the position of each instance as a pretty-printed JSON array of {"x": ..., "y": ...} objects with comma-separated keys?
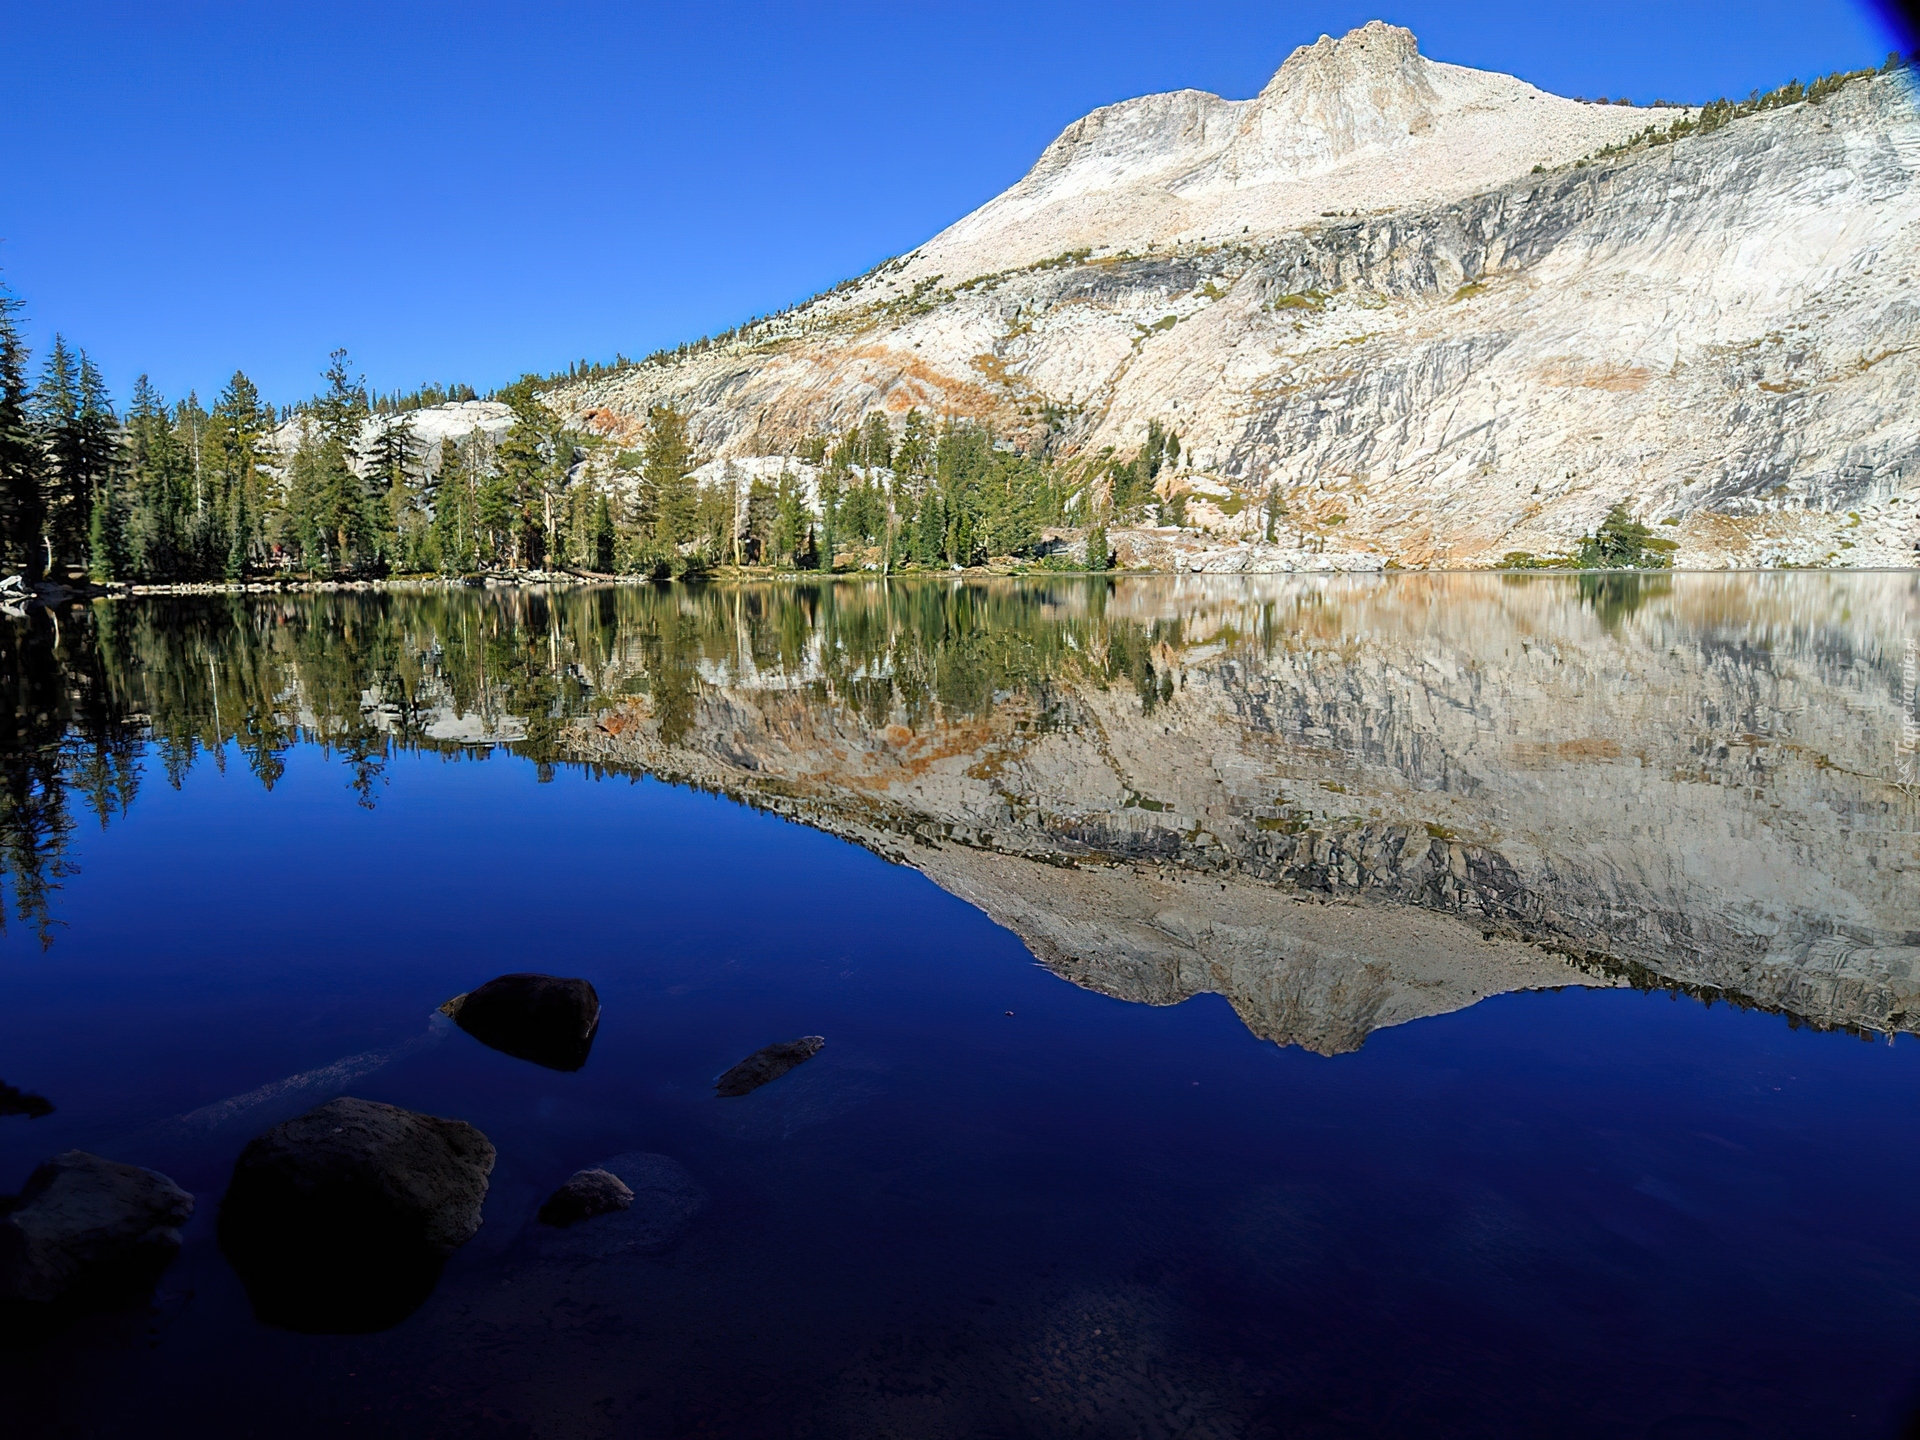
[
  {"x": 531, "y": 471},
  {"x": 762, "y": 519},
  {"x": 342, "y": 508},
  {"x": 931, "y": 532},
  {"x": 97, "y": 449},
  {"x": 786, "y": 535},
  {"x": 453, "y": 509},
  {"x": 878, "y": 441},
  {"x": 237, "y": 462},
  {"x": 395, "y": 474},
  {"x": 1098, "y": 551},
  {"x": 107, "y": 534},
  {"x": 665, "y": 474},
  {"x": 603, "y": 536},
  {"x": 22, "y": 516},
  {"x": 158, "y": 483},
  {"x": 56, "y": 420}
]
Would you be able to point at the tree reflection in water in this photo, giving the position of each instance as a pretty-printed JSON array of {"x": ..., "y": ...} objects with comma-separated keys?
[{"x": 100, "y": 697}]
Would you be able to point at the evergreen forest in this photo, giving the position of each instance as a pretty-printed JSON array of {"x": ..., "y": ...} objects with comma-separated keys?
[{"x": 344, "y": 485}]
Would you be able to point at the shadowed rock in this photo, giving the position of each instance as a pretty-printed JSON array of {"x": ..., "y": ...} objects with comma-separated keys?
[
  {"x": 15, "y": 1101},
  {"x": 587, "y": 1194},
  {"x": 340, "y": 1219},
  {"x": 766, "y": 1065},
  {"x": 663, "y": 1200},
  {"x": 542, "y": 1018},
  {"x": 86, "y": 1231}
]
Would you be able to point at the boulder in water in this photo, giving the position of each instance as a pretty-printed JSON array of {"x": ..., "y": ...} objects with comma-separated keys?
[
  {"x": 340, "y": 1219},
  {"x": 87, "y": 1229},
  {"x": 765, "y": 1065},
  {"x": 543, "y": 1018},
  {"x": 664, "y": 1200},
  {"x": 15, "y": 1101},
  {"x": 587, "y": 1194}
]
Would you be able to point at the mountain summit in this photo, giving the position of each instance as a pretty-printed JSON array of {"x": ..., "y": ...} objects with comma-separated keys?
[
  {"x": 1343, "y": 123},
  {"x": 1399, "y": 312}
]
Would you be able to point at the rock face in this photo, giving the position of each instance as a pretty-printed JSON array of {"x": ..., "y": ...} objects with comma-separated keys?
[
  {"x": 542, "y": 1018},
  {"x": 663, "y": 1201},
  {"x": 483, "y": 421},
  {"x": 87, "y": 1228},
  {"x": 339, "y": 1220},
  {"x": 586, "y": 1194},
  {"x": 766, "y": 1065},
  {"x": 1403, "y": 312}
]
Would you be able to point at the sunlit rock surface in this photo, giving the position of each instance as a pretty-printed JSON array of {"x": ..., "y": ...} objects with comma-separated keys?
[{"x": 1415, "y": 304}]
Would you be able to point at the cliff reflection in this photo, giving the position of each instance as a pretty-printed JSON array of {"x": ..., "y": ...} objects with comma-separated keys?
[{"x": 1477, "y": 782}]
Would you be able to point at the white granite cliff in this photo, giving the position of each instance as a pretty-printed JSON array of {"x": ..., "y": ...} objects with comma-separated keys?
[{"x": 1416, "y": 303}]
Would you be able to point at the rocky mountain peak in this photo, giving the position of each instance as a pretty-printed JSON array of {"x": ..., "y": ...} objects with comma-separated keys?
[
  {"x": 1329, "y": 101},
  {"x": 1380, "y": 59},
  {"x": 1342, "y": 122}
]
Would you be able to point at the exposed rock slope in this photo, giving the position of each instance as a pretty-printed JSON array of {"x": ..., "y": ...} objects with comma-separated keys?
[{"x": 1394, "y": 293}]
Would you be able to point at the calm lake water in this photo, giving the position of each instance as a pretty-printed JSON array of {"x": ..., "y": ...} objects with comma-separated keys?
[{"x": 1580, "y": 1101}]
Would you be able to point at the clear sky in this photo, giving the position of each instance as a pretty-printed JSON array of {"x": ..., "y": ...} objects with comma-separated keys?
[{"x": 470, "y": 191}]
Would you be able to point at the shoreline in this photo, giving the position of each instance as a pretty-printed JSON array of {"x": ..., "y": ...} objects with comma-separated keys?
[{"x": 530, "y": 579}]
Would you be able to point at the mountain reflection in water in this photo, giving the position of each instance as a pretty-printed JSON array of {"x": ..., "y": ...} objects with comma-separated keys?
[{"x": 1340, "y": 802}]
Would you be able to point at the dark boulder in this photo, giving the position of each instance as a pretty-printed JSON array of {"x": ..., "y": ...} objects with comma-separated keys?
[
  {"x": 664, "y": 1200},
  {"x": 768, "y": 1064},
  {"x": 15, "y": 1101},
  {"x": 339, "y": 1220},
  {"x": 587, "y": 1194},
  {"x": 87, "y": 1230},
  {"x": 542, "y": 1018}
]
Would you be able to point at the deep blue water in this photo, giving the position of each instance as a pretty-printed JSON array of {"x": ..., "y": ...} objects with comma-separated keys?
[{"x": 1571, "y": 1213}]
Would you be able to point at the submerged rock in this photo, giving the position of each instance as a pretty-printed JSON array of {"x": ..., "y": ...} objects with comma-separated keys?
[
  {"x": 765, "y": 1065},
  {"x": 340, "y": 1219},
  {"x": 15, "y": 1101},
  {"x": 664, "y": 1198},
  {"x": 543, "y": 1018},
  {"x": 587, "y": 1194},
  {"x": 87, "y": 1229}
]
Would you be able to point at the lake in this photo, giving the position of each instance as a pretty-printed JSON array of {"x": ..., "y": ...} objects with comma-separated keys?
[{"x": 1281, "y": 1006}]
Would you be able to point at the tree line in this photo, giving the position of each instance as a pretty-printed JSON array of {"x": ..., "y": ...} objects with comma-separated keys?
[{"x": 344, "y": 484}]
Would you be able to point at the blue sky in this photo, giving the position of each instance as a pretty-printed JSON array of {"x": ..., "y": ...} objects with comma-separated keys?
[{"x": 467, "y": 192}]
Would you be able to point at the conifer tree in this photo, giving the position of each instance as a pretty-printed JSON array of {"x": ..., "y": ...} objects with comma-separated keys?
[
  {"x": 762, "y": 503},
  {"x": 453, "y": 508},
  {"x": 107, "y": 557},
  {"x": 878, "y": 440},
  {"x": 158, "y": 484},
  {"x": 342, "y": 509},
  {"x": 531, "y": 465},
  {"x": 603, "y": 536},
  {"x": 1098, "y": 550},
  {"x": 22, "y": 516},
  {"x": 930, "y": 534},
  {"x": 56, "y": 418},
  {"x": 97, "y": 443},
  {"x": 789, "y": 529},
  {"x": 397, "y": 478},
  {"x": 665, "y": 475},
  {"x": 237, "y": 462}
]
